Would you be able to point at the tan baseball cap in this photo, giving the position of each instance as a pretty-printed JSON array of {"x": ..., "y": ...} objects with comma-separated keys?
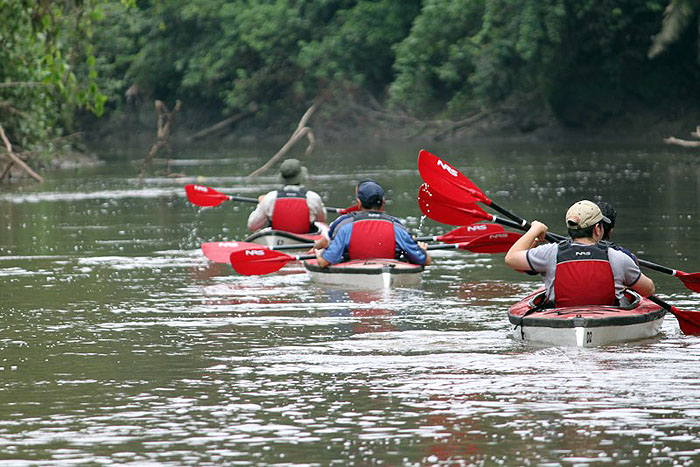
[{"x": 584, "y": 214}]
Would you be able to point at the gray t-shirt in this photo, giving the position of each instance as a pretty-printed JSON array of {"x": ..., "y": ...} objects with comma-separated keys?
[{"x": 543, "y": 259}]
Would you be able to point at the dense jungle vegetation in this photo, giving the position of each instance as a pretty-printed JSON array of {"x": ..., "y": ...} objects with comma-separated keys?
[{"x": 520, "y": 64}]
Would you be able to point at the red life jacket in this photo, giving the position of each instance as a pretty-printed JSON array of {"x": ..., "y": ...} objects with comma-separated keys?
[
  {"x": 583, "y": 275},
  {"x": 291, "y": 213},
  {"x": 372, "y": 236}
]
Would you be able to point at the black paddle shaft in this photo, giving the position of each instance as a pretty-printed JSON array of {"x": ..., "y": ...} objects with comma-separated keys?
[
  {"x": 522, "y": 224},
  {"x": 255, "y": 200}
]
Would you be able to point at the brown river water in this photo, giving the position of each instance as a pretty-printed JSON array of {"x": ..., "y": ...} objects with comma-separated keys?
[{"x": 120, "y": 344}]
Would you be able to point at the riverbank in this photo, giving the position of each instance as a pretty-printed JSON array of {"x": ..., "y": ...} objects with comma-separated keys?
[
  {"x": 61, "y": 160},
  {"x": 135, "y": 131},
  {"x": 353, "y": 122}
]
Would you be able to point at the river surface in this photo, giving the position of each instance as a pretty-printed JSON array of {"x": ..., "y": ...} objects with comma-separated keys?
[{"x": 121, "y": 344}]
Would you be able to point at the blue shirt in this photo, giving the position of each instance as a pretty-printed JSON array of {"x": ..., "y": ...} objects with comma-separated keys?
[
  {"x": 404, "y": 244},
  {"x": 625, "y": 251},
  {"x": 336, "y": 222}
]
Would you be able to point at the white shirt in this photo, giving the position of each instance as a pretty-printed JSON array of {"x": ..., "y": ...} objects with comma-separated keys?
[{"x": 262, "y": 216}]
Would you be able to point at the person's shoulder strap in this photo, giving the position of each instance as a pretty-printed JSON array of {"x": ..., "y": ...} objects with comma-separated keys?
[
  {"x": 565, "y": 243},
  {"x": 288, "y": 192}
]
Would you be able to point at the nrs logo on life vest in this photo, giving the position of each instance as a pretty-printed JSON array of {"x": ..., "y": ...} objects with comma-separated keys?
[
  {"x": 583, "y": 253},
  {"x": 201, "y": 188},
  {"x": 255, "y": 252},
  {"x": 449, "y": 169}
]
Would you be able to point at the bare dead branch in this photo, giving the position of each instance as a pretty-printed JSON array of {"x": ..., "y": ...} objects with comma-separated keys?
[
  {"x": 22, "y": 84},
  {"x": 16, "y": 160},
  {"x": 682, "y": 142},
  {"x": 6, "y": 170},
  {"x": 250, "y": 111},
  {"x": 6, "y": 105},
  {"x": 301, "y": 131},
  {"x": 165, "y": 123}
]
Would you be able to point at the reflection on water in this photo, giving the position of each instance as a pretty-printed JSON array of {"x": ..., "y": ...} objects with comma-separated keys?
[{"x": 120, "y": 343}]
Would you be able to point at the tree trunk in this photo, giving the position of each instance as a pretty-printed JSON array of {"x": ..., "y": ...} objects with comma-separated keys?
[{"x": 165, "y": 123}]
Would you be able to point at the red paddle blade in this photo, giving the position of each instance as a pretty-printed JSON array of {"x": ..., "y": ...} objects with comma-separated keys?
[
  {"x": 492, "y": 243},
  {"x": 220, "y": 252},
  {"x": 689, "y": 321},
  {"x": 690, "y": 279},
  {"x": 352, "y": 208},
  {"x": 447, "y": 180},
  {"x": 467, "y": 232},
  {"x": 436, "y": 209},
  {"x": 438, "y": 197},
  {"x": 257, "y": 261},
  {"x": 204, "y": 196}
]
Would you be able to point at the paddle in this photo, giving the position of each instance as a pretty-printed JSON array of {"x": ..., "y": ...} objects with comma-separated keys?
[
  {"x": 690, "y": 279},
  {"x": 205, "y": 196},
  {"x": 688, "y": 320},
  {"x": 451, "y": 180},
  {"x": 437, "y": 204},
  {"x": 442, "y": 211},
  {"x": 219, "y": 252},
  {"x": 451, "y": 183},
  {"x": 257, "y": 261}
]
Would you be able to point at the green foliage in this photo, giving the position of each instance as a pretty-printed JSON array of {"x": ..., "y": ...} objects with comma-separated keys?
[
  {"x": 280, "y": 54},
  {"x": 605, "y": 70},
  {"x": 356, "y": 45},
  {"x": 45, "y": 44},
  {"x": 584, "y": 59},
  {"x": 468, "y": 54}
]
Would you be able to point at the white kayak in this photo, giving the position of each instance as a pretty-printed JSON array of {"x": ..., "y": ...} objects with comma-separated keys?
[
  {"x": 586, "y": 326},
  {"x": 272, "y": 238},
  {"x": 366, "y": 273}
]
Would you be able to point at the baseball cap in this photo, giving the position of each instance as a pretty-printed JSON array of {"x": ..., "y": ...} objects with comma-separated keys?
[
  {"x": 370, "y": 194},
  {"x": 608, "y": 211},
  {"x": 584, "y": 214},
  {"x": 292, "y": 172}
]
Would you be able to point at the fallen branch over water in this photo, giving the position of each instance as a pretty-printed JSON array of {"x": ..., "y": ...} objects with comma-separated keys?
[
  {"x": 682, "y": 142},
  {"x": 301, "y": 131},
  {"x": 14, "y": 159},
  {"x": 250, "y": 111}
]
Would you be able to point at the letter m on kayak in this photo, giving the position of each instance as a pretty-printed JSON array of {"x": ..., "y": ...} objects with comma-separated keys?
[{"x": 449, "y": 169}]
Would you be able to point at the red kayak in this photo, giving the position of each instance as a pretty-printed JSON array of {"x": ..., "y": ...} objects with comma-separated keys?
[
  {"x": 270, "y": 238},
  {"x": 586, "y": 326}
]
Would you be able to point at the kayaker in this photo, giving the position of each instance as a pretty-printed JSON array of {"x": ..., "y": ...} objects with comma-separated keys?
[
  {"x": 292, "y": 208},
  {"x": 580, "y": 270},
  {"x": 611, "y": 214},
  {"x": 371, "y": 233}
]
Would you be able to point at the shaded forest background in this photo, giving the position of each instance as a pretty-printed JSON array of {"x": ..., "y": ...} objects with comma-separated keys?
[{"x": 386, "y": 68}]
